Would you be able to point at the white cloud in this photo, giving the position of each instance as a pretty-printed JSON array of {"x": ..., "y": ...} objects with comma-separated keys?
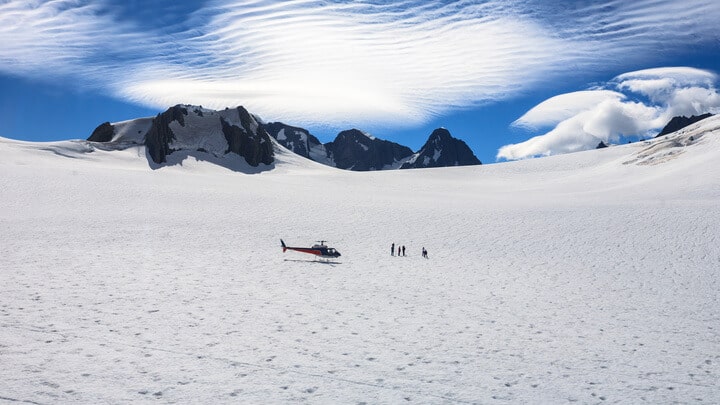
[
  {"x": 605, "y": 115},
  {"x": 33, "y": 31},
  {"x": 678, "y": 90},
  {"x": 660, "y": 83},
  {"x": 614, "y": 118},
  {"x": 354, "y": 61},
  {"x": 562, "y": 139},
  {"x": 681, "y": 75},
  {"x": 559, "y": 108},
  {"x": 693, "y": 101},
  {"x": 55, "y": 39},
  {"x": 604, "y": 122},
  {"x": 330, "y": 62}
]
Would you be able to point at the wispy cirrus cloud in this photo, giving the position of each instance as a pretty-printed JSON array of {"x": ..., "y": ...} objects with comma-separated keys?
[
  {"x": 339, "y": 62},
  {"x": 584, "y": 119},
  {"x": 358, "y": 61},
  {"x": 66, "y": 38},
  {"x": 44, "y": 36}
]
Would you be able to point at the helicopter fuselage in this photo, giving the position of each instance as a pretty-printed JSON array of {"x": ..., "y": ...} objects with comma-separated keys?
[{"x": 321, "y": 250}]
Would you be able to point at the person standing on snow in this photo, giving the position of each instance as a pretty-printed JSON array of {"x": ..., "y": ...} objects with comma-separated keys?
[
  {"x": 392, "y": 249},
  {"x": 403, "y": 249}
]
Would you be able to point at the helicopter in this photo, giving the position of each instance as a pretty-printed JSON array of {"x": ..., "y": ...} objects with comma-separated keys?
[{"x": 321, "y": 250}]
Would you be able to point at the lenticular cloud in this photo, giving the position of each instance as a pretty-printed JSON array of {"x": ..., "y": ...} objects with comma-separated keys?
[
  {"x": 356, "y": 61},
  {"x": 339, "y": 62},
  {"x": 641, "y": 103},
  {"x": 559, "y": 108}
]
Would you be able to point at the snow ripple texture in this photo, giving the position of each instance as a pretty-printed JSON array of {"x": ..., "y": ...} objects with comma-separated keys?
[{"x": 583, "y": 278}]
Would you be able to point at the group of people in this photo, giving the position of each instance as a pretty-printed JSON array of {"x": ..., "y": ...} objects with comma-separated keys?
[{"x": 401, "y": 251}]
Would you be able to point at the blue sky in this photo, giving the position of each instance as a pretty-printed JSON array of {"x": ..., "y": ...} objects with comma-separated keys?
[{"x": 514, "y": 79}]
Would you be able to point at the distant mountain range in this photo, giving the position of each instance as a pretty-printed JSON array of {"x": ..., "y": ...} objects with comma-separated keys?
[
  {"x": 194, "y": 129},
  {"x": 359, "y": 151}
]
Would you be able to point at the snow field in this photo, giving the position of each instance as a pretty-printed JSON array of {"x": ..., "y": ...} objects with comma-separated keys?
[{"x": 576, "y": 278}]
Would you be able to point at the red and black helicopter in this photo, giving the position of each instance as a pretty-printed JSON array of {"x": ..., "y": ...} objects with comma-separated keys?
[{"x": 321, "y": 250}]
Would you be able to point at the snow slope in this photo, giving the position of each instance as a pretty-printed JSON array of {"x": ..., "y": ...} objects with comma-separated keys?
[{"x": 590, "y": 277}]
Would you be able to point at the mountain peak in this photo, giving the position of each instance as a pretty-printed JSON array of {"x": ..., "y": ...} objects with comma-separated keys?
[
  {"x": 442, "y": 150},
  {"x": 298, "y": 140},
  {"x": 357, "y": 150},
  {"x": 193, "y": 129},
  {"x": 355, "y": 133},
  {"x": 680, "y": 122},
  {"x": 441, "y": 133},
  {"x": 196, "y": 130}
]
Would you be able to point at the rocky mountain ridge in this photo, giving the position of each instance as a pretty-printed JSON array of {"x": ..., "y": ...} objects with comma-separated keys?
[
  {"x": 356, "y": 150},
  {"x": 442, "y": 150},
  {"x": 680, "y": 122},
  {"x": 194, "y": 129}
]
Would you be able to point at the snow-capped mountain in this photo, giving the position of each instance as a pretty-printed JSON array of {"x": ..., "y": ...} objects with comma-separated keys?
[
  {"x": 298, "y": 140},
  {"x": 351, "y": 150},
  {"x": 359, "y": 151},
  {"x": 193, "y": 129},
  {"x": 442, "y": 150}
]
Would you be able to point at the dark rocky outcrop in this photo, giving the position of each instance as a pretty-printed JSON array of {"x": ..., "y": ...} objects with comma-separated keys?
[
  {"x": 195, "y": 130},
  {"x": 442, "y": 150},
  {"x": 255, "y": 146},
  {"x": 680, "y": 122},
  {"x": 103, "y": 133},
  {"x": 601, "y": 145},
  {"x": 355, "y": 150},
  {"x": 159, "y": 137},
  {"x": 296, "y": 139},
  {"x": 246, "y": 138}
]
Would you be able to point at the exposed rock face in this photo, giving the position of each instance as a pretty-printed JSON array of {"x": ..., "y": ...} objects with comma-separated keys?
[
  {"x": 355, "y": 150},
  {"x": 248, "y": 140},
  {"x": 298, "y": 140},
  {"x": 158, "y": 139},
  {"x": 103, "y": 133},
  {"x": 442, "y": 150},
  {"x": 358, "y": 151},
  {"x": 193, "y": 129},
  {"x": 601, "y": 145},
  {"x": 680, "y": 122}
]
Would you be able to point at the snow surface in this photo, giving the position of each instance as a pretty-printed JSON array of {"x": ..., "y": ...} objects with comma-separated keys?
[
  {"x": 318, "y": 153},
  {"x": 589, "y": 277},
  {"x": 362, "y": 145},
  {"x": 436, "y": 155}
]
